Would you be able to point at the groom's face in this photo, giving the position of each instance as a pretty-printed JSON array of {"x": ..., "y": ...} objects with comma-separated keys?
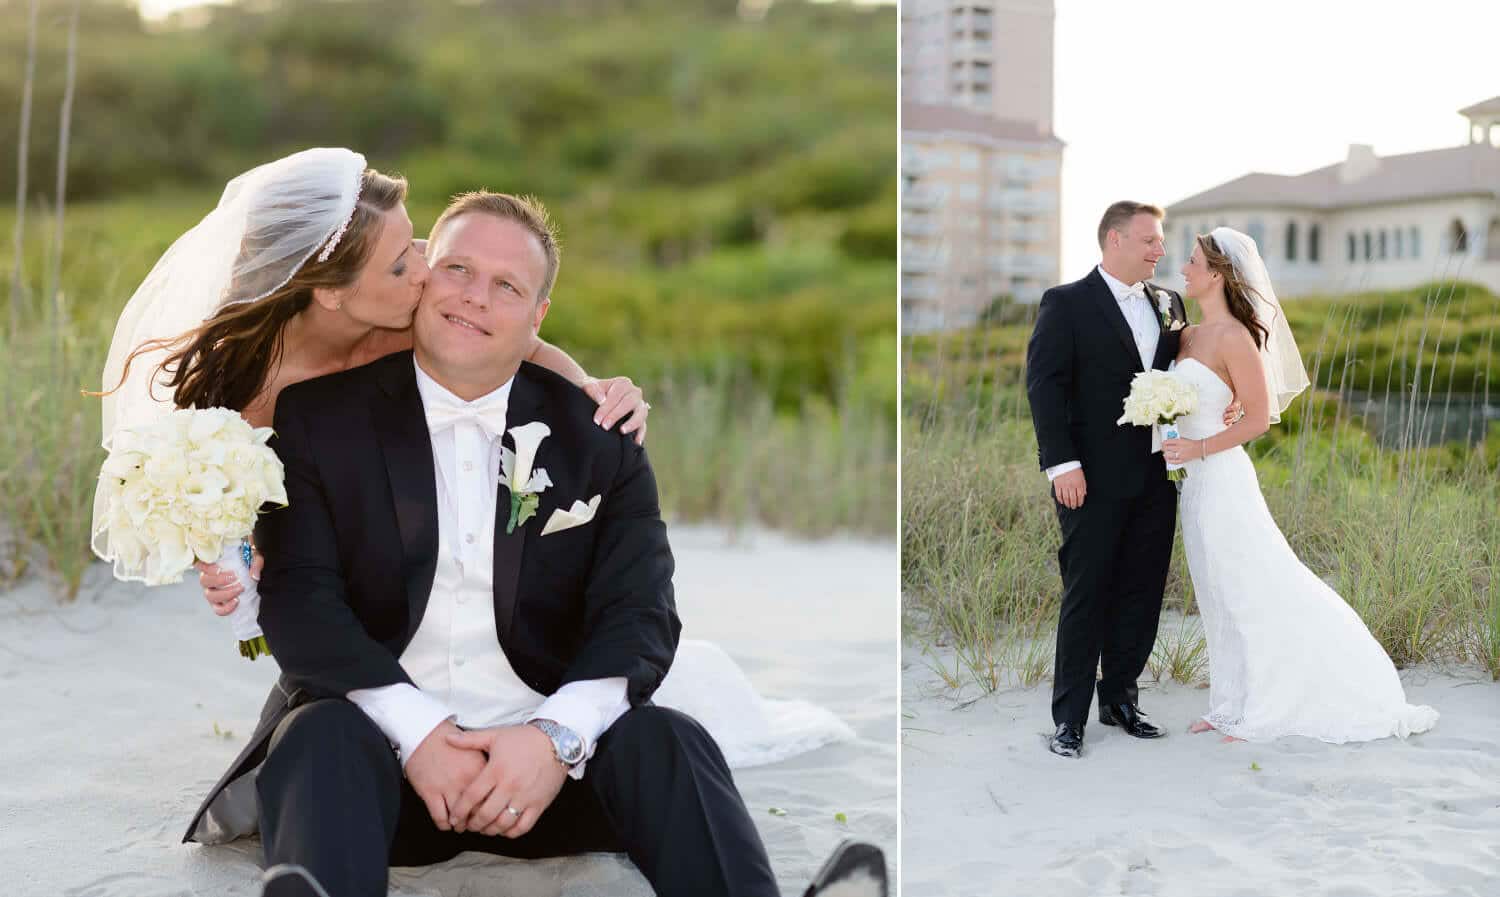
[
  {"x": 1137, "y": 248},
  {"x": 481, "y": 308}
]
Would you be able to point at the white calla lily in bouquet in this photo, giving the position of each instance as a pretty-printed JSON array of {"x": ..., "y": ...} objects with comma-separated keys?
[
  {"x": 1157, "y": 399},
  {"x": 185, "y": 487}
]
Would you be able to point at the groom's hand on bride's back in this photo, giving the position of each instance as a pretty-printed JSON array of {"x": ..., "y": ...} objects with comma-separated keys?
[
  {"x": 1070, "y": 489},
  {"x": 439, "y": 772}
]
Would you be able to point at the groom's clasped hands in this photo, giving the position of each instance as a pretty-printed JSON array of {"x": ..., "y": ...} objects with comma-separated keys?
[{"x": 495, "y": 781}]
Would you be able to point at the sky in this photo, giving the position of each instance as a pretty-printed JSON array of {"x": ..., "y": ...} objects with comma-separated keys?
[{"x": 1160, "y": 100}]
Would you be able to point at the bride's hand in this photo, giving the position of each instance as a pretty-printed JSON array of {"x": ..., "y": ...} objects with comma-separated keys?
[
  {"x": 221, "y": 588},
  {"x": 1178, "y": 451},
  {"x": 1233, "y": 413},
  {"x": 619, "y": 399}
]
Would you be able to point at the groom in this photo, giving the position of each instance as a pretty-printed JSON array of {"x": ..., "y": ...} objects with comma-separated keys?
[
  {"x": 468, "y": 654},
  {"x": 1117, "y": 508}
]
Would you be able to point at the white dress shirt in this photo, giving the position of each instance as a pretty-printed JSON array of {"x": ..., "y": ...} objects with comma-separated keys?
[
  {"x": 454, "y": 658},
  {"x": 1140, "y": 314}
]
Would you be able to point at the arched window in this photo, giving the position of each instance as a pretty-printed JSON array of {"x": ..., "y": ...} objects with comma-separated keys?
[
  {"x": 1291, "y": 241},
  {"x": 1314, "y": 238},
  {"x": 1256, "y": 231},
  {"x": 1458, "y": 238},
  {"x": 1382, "y": 243},
  {"x": 1369, "y": 247},
  {"x": 1352, "y": 246},
  {"x": 1416, "y": 243},
  {"x": 1400, "y": 243},
  {"x": 1492, "y": 241}
]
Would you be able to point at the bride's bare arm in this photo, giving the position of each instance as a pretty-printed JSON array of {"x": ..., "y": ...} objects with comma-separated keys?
[{"x": 618, "y": 397}]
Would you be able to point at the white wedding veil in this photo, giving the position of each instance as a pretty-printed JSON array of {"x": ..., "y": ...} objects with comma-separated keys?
[
  {"x": 268, "y": 223},
  {"x": 1286, "y": 377}
]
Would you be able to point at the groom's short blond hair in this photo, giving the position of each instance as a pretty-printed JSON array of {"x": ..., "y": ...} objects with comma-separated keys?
[
  {"x": 526, "y": 211},
  {"x": 1117, "y": 217}
]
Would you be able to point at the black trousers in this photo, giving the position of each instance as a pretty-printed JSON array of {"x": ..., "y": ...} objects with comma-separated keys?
[
  {"x": 333, "y": 799},
  {"x": 1114, "y": 559}
]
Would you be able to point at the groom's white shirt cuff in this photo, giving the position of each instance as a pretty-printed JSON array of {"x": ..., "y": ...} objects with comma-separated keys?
[
  {"x": 405, "y": 713},
  {"x": 589, "y": 708},
  {"x": 1058, "y": 470}
]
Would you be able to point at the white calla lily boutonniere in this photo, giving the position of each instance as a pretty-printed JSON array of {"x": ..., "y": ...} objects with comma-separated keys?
[
  {"x": 1164, "y": 306},
  {"x": 526, "y": 485}
]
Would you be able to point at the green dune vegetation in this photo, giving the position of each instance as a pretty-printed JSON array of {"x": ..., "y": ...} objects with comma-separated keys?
[
  {"x": 725, "y": 187},
  {"x": 1379, "y": 483}
]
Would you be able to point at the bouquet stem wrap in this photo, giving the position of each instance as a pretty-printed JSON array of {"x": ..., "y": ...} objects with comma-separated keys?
[
  {"x": 245, "y": 620},
  {"x": 1169, "y": 431}
]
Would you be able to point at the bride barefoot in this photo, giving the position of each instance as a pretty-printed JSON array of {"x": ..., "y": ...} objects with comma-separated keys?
[{"x": 1287, "y": 655}]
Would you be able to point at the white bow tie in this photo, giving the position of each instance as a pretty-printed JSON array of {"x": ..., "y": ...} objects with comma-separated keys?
[
  {"x": 489, "y": 414},
  {"x": 1132, "y": 293}
]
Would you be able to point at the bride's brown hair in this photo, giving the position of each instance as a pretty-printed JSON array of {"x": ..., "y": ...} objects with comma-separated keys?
[
  {"x": 1240, "y": 295},
  {"x": 226, "y": 360}
]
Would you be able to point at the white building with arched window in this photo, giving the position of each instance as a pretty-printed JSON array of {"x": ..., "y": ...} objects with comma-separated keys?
[{"x": 1368, "y": 222}]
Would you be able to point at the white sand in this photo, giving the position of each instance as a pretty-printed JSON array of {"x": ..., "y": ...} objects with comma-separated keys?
[
  {"x": 110, "y": 709},
  {"x": 986, "y": 810}
]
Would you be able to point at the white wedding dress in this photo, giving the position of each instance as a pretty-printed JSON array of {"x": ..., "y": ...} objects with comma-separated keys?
[
  {"x": 1287, "y": 655},
  {"x": 707, "y": 685}
]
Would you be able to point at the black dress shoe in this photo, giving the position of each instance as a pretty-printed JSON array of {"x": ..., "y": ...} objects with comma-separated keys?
[
  {"x": 1130, "y": 718},
  {"x": 1067, "y": 741},
  {"x": 855, "y": 869}
]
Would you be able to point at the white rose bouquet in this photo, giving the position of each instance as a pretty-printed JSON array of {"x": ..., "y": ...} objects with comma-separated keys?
[
  {"x": 1157, "y": 399},
  {"x": 188, "y": 487}
]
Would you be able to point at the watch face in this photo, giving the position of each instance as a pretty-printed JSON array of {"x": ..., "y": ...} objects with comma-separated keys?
[{"x": 569, "y": 747}]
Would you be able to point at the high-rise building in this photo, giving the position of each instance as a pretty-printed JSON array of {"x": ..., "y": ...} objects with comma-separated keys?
[
  {"x": 980, "y": 164},
  {"x": 992, "y": 58}
]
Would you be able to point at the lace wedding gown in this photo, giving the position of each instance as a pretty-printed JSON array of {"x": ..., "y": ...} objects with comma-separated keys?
[{"x": 1287, "y": 655}]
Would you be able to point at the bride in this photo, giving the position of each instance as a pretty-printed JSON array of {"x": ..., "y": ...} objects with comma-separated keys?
[
  {"x": 307, "y": 267},
  {"x": 1287, "y": 655}
]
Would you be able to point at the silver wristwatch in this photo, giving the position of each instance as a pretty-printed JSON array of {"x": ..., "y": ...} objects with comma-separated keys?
[{"x": 565, "y": 741}]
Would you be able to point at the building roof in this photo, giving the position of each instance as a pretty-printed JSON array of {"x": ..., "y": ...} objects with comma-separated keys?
[
  {"x": 1487, "y": 107},
  {"x": 959, "y": 122},
  {"x": 1457, "y": 171}
]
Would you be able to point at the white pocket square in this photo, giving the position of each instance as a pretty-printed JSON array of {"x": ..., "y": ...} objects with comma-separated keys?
[{"x": 577, "y": 515}]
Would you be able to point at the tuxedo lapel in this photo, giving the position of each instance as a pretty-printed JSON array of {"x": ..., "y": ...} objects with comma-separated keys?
[
  {"x": 1163, "y": 334},
  {"x": 1109, "y": 307},
  {"x": 407, "y": 447},
  {"x": 523, "y": 407}
]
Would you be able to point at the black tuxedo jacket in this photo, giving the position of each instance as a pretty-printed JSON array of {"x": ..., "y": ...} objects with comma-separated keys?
[
  {"x": 1079, "y": 364},
  {"x": 350, "y": 561}
]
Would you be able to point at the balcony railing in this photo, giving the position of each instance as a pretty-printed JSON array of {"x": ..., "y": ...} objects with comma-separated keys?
[
  {"x": 1022, "y": 201},
  {"x": 922, "y": 289},
  {"x": 916, "y": 260},
  {"x": 920, "y": 199},
  {"x": 1023, "y": 264}
]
